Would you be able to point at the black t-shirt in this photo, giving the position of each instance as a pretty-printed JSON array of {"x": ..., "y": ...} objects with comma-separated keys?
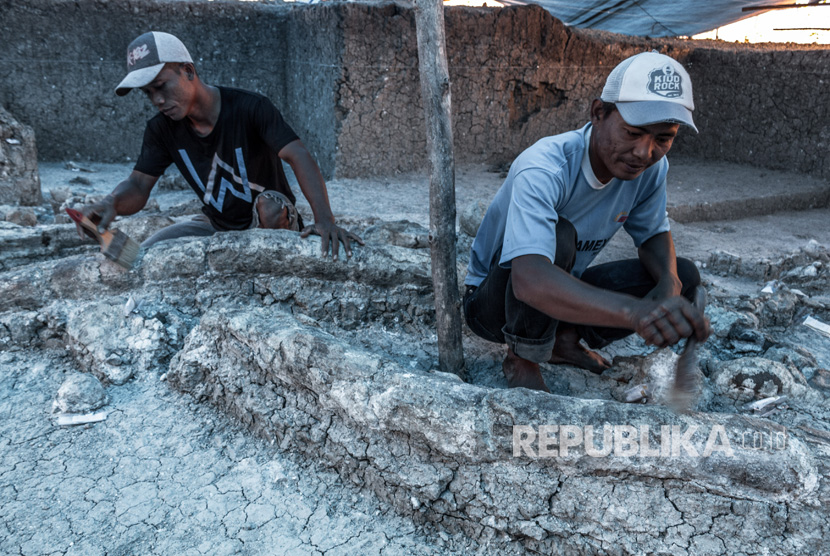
[{"x": 231, "y": 165}]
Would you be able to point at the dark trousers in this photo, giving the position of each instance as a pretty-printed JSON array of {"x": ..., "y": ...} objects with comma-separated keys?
[{"x": 493, "y": 312}]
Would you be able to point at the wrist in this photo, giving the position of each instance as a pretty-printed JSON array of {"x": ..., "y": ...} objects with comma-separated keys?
[
  {"x": 630, "y": 315},
  {"x": 672, "y": 284}
]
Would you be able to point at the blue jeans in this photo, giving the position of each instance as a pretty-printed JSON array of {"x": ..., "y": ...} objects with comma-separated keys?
[
  {"x": 200, "y": 224},
  {"x": 493, "y": 312}
]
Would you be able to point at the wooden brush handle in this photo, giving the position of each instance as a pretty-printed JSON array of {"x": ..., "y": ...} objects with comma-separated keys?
[{"x": 90, "y": 228}]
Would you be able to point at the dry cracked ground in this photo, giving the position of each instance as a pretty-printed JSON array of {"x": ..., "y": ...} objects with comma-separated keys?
[{"x": 261, "y": 400}]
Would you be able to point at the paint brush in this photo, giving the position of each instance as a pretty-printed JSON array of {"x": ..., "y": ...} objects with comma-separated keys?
[
  {"x": 686, "y": 388},
  {"x": 115, "y": 245}
]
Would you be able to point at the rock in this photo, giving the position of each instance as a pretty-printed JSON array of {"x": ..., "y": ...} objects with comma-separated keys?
[
  {"x": 80, "y": 393},
  {"x": 143, "y": 225},
  {"x": 80, "y": 180},
  {"x": 807, "y": 271},
  {"x": 795, "y": 355},
  {"x": 723, "y": 320},
  {"x": 19, "y": 330},
  {"x": 191, "y": 206},
  {"x": 780, "y": 308},
  {"x": 22, "y": 216},
  {"x": 746, "y": 340},
  {"x": 426, "y": 436},
  {"x": 57, "y": 197},
  {"x": 724, "y": 263},
  {"x": 69, "y": 201},
  {"x": 172, "y": 181},
  {"x": 402, "y": 233},
  {"x": 816, "y": 250},
  {"x": 114, "y": 347},
  {"x": 471, "y": 217},
  {"x": 19, "y": 178},
  {"x": 821, "y": 379}
]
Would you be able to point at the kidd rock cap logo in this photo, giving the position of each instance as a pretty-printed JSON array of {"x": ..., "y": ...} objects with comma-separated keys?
[{"x": 666, "y": 82}]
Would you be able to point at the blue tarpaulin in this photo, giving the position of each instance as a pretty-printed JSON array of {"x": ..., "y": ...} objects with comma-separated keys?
[{"x": 654, "y": 18}]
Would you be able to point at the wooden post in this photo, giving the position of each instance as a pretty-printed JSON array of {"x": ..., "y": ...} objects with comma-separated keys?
[{"x": 435, "y": 92}]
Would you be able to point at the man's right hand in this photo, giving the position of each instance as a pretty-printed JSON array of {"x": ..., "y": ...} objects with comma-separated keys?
[
  {"x": 131, "y": 196},
  {"x": 101, "y": 213},
  {"x": 665, "y": 322}
]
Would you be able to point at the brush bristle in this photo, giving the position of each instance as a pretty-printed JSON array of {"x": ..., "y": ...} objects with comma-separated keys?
[{"x": 122, "y": 250}]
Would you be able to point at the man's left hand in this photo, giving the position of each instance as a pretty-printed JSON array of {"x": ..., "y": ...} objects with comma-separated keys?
[
  {"x": 665, "y": 289},
  {"x": 332, "y": 234}
]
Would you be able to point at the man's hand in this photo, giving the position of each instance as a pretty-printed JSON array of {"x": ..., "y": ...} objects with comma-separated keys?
[
  {"x": 130, "y": 196},
  {"x": 669, "y": 286},
  {"x": 332, "y": 234},
  {"x": 101, "y": 213},
  {"x": 314, "y": 189},
  {"x": 666, "y": 322}
]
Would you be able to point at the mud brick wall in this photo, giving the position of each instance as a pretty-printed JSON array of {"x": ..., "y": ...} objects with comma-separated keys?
[
  {"x": 517, "y": 75},
  {"x": 346, "y": 78},
  {"x": 762, "y": 106}
]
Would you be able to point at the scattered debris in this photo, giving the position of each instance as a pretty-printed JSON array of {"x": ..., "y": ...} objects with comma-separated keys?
[
  {"x": 131, "y": 306},
  {"x": 817, "y": 325},
  {"x": 637, "y": 394},
  {"x": 76, "y": 168},
  {"x": 770, "y": 286},
  {"x": 766, "y": 406},
  {"x": 80, "y": 180},
  {"x": 68, "y": 419}
]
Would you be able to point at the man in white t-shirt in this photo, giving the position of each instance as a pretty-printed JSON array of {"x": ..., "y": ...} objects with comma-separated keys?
[{"x": 528, "y": 281}]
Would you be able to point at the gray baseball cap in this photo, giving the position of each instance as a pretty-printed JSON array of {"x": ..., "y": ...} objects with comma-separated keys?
[
  {"x": 651, "y": 88},
  {"x": 147, "y": 55}
]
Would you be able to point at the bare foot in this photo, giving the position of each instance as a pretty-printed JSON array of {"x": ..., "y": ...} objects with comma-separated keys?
[
  {"x": 521, "y": 373},
  {"x": 567, "y": 350}
]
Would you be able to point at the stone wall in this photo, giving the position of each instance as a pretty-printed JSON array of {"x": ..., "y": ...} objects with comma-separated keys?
[
  {"x": 60, "y": 77},
  {"x": 346, "y": 77}
]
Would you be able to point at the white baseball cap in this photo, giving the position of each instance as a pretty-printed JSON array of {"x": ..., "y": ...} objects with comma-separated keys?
[
  {"x": 147, "y": 55},
  {"x": 651, "y": 88}
]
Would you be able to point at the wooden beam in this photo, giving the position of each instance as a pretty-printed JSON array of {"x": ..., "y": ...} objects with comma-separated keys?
[
  {"x": 782, "y": 7},
  {"x": 435, "y": 93}
]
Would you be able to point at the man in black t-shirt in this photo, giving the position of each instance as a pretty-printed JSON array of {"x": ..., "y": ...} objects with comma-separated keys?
[{"x": 227, "y": 143}]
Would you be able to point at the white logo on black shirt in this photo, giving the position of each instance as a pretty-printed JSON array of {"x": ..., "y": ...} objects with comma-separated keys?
[{"x": 217, "y": 182}]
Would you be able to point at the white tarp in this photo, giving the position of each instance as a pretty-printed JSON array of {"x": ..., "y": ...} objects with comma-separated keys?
[{"x": 654, "y": 18}]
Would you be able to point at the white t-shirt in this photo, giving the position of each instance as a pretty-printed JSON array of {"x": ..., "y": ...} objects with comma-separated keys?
[{"x": 552, "y": 178}]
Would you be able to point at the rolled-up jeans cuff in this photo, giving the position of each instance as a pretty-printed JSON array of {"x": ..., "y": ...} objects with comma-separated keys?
[
  {"x": 597, "y": 340},
  {"x": 537, "y": 351}
]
